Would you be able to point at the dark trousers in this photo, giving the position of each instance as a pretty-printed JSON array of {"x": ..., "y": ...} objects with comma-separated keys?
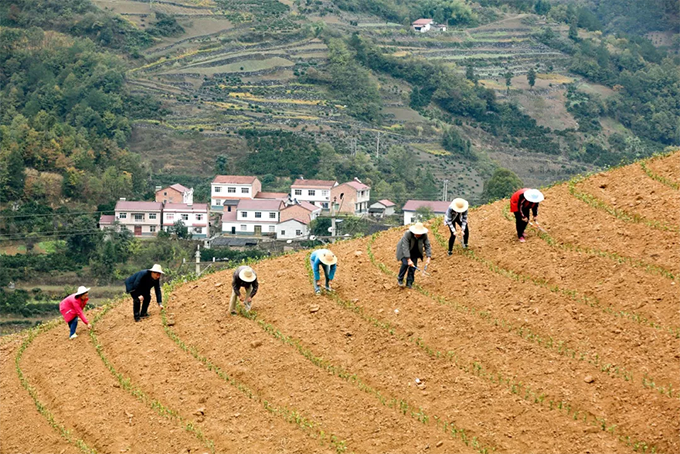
[
  {"x": 73, "y": 324},
  {"x": 452, "y": 238},
  {"x": 410, "y": 269},
  {"x": 144, "y": 304},
  {"x": 520, "y": 224}
]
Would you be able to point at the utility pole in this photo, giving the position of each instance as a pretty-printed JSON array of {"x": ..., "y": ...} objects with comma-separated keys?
[
  {"x": 198, "y": 260},
  {"x": 377, "y": 147},
  {"x": 445, "y": 193}
]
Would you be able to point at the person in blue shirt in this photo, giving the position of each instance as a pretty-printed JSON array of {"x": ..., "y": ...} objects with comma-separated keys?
[
  {"x": 328, "y": 261},
  {"x": 139, "y": 285}
]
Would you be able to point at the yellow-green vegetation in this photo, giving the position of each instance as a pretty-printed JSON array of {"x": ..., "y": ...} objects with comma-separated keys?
[
  {"x": 555, "y": 78},
  {"x": 243, "y": 66},
  {"x": 431, "y": 148}
]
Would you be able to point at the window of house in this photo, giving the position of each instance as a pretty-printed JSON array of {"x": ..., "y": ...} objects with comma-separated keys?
[
  {"x": 258, "y": 214},
  {"x": 185, "y": 217},
  {"x": 298, "y": 232},
  {"x": 324, "y": 193},
  {"x": 244, "y": 227},
  {"x": 218, "y": 202},
  {"x": 229, "y": 208},
  {"x": 231, "y": 190},
  {"x": 311, "y": 192},
  {"x": 325, "y": 205},
  {"x": 170, "y": 216},
  {"x": 272, "y": 228},
  {"x": 245, "y": 190},
  {"x": 218, "y": 189},
  {"x": 139, "y": 217},
  {"x": 244, "y": 214},
  {"x": 122, "y": 216},
  {"x": 152, "y": 216},
  {"x": 198, "y": 230},
  {"x": 152, "y": 229},
  {"x": 199, "y": 217},
  {"x": 272, "y": 215},
  {"x": 283, "y": 232},
  {"x": 298, "y": 192}
]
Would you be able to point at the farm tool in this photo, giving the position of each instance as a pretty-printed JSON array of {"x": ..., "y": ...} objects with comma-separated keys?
[
  {"x": 424, "y": 270},
  {"x": 536, "y": 225}
]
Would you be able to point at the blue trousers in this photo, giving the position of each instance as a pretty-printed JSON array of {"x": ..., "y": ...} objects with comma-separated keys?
[
  {"x": 404, "y": 269},
  {"x": 73, "y": 324}
]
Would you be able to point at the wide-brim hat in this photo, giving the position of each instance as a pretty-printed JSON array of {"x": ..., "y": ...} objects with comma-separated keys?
[
  {"x": 533, "y": 195},
  {"x": 82, "y": 290},
  {"x": 459, "y": 205},
  {"x": 156, "y": 269},
  {"x": 328, "y": 258},
  {"x": 418, "y": 229},
  {"x": 247, "y": 274}
]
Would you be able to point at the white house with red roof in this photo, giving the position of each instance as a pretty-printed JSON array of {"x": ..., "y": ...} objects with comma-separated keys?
[
  {"x": 422, "y": 25},
  {"x": 228, "y": 190},
  {"x": 438, "y": 207},
  {"x": 351, "y": 197},
  {"x": 194, "y": 216},
  {"x": 382, "y": 208},
  {"x": 317, "y": 192},
  {"x": 253, "y": 217},
  {"x": 143, "y": 219},
  {"x": 295, "y": 220}
]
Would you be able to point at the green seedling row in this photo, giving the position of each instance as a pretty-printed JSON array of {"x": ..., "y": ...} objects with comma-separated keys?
[
  {"x": 42, "y": 408},
  {"x": 289, "y": 415},
  {"x": 518, "y": 387},
  {"x": 543, "y": 340},
  {"x": 650, "y": 173},
  {"x": 127, "y": 385}
]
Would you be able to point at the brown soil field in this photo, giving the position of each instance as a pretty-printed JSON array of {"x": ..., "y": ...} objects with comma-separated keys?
[{"x": 567, "y": 343}]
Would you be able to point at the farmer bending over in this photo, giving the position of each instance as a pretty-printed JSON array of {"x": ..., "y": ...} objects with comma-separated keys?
[
  {"x": 244, "y": 277},
  {"x": 521, "y": 203},
  {"x": 72, "y": 307},
  {"x": 412, "y": 246},
  {"x": 328, "y": 261},
  {"x": 457, "y": 213},
  {"x": 140, "y": 285}
]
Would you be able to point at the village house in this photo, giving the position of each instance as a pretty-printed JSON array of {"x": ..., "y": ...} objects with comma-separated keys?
[
  {"x": 252, "y": 217},
  {"x": 143, "y": 219},
  {"x": 228, "y": 190},
  {"x": 351, "y": 197},
  {"x": 317, "y": 192},
  {"x": 175, "y": 193},
  {"x": 439, "y": 208},
  {"x": 295, "y": 220},
  {"x": 381, "y": 208},
  {"x": 422, "y": 25},
  {"x": 194, "y": 216}
]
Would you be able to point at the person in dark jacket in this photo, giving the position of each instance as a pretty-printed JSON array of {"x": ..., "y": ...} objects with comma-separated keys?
[
  {"x": 139, "y": 285},
  {"x": 244, "y": 277},
  {"x": 457, "y": 213},
  {"x": 522, "y": 203},
  {"x": 414, "y": 245}
]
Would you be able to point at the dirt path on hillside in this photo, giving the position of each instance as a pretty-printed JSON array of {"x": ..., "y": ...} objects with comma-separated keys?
[
  {"x": 542, "y": 368},
  {"x": 570, "y": 220},
  {"x": 234, "y": 422},
  {"x": 86, "y": 398},
  {"x": 22, "y": 427},
  {"x": 284, "y": 378}
]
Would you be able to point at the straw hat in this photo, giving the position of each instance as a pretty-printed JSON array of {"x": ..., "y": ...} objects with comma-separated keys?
[
  {"x": 247, "y": 274},
  {"x": 328, "y": 258},
  {"x": 459, "y": 205},
  {"x": 418, "y": 229},
  {"x": 82, "y": 290},
  {"x": 157, "y": 269},
  {"x": 533, "y": 195}
]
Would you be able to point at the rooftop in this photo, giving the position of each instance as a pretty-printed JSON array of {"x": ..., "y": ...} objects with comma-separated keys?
[
  {"x": 271, "y": 195},
  {"x": 184, "y": 207},
  {"x": 298, "y": 219},
  {"x": 314, "y": 183},
  {"x": 229, "y": 216},
  {"x": 176, "y": 187},
  {"x": 106, "y": 219},
  {"x": 422, "y": 22},
  {"x": 437, "y": 206},
  {"x": 357, "y": 185},
  {"x": 234, "y": 179},
  {"x": 259, "y": 204},
  {"x": 126, "y": 205},
  {"x": 386, "y": 203}
]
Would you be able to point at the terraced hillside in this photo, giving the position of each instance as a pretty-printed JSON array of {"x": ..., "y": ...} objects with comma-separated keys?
[{"x": 567, "y": 343}]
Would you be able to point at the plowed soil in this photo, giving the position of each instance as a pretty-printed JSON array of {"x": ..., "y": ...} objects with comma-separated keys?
[{"x": 534, "y": 347}]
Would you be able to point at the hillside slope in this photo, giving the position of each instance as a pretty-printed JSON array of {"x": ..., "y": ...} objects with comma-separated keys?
[{"x": 567, "y": 343}]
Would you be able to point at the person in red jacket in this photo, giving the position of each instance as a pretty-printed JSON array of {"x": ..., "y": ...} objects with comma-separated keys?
[
  {"x": 521, "y": 203},
  {"x": 72, "y": 307}
]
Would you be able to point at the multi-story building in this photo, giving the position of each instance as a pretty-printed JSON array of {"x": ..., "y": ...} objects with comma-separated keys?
[
  {"x": 175, "y": 193},
  {"x": 141, "y": 218},
  {"x": 227, "y": 190},
  {"x": 351, "y": 197},
  {"x": 317, "y": 192},
  {"x": 253, "y": 217},
  {"x": 295, "y": 220},
  {"x": 195, "y": 217},
  {"x": 410, "y": 216}
]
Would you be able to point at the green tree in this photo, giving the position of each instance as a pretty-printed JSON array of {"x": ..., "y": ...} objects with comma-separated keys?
[
  {"x": 424, "y": 213},
  {"x": 542, "y": 7},
  {"x": 452, "y": 141},
  {"x": 531, "y": 77},
  {"x": 503, "y": 183},
  {"x": 470, "y": 74},
  {"x": 15, "y": 175},
  {"x": 83, "y": 237},
  {"x": 508, "y": 80},
  {"x": 573, "y": 29},
  {"x": 180, "y": 230},
  {"x": 221, "y": 164}
]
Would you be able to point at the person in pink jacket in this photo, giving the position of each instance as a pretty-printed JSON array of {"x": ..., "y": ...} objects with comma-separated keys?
[{"x": 72, "y": 307}]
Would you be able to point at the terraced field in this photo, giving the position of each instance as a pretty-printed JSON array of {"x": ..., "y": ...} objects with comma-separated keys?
[{"x": 567, "y": 343}]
